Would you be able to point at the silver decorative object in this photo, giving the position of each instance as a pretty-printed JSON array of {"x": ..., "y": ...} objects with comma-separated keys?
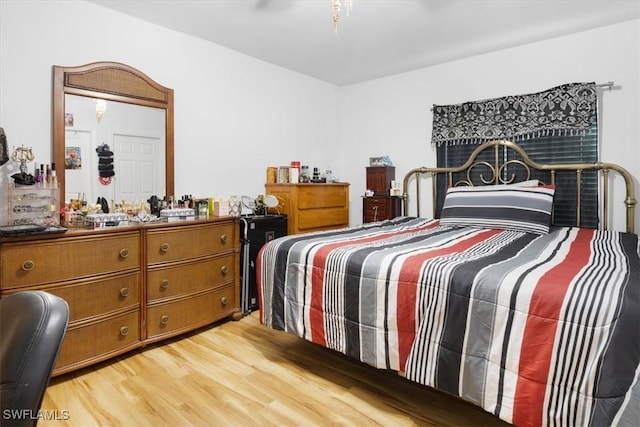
[{"x": 23, "y": 155}]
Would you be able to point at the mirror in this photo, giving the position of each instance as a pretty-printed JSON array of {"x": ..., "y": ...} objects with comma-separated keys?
[{"x": 117, "y": 105}]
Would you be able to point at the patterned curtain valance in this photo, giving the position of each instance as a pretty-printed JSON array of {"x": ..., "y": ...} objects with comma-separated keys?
[{"x": 564, "y": 110}]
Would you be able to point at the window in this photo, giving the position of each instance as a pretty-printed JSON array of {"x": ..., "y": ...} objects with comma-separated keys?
[{"x": 474, "y": 123}]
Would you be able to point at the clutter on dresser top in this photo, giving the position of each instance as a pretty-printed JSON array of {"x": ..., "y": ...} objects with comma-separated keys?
[{"x": 297, "y": 173}]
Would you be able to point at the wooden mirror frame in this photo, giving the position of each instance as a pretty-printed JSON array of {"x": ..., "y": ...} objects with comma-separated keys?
[{"x": 111, "y": 81}]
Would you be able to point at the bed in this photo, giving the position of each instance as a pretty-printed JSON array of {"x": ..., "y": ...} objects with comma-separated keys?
[{"x": 535, "y": 323}]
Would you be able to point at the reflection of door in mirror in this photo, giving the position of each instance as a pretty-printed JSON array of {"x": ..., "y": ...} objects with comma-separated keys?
[
  {"x": 136, "y": 136},
  {"x": 138, "y": 161}
]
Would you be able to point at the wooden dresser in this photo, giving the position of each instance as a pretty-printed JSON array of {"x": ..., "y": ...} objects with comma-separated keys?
[
  {"x": 312, "y": 207},
  {"x": 129, "y": 286}
]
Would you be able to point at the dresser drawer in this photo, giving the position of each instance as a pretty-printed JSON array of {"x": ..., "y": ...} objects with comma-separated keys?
[
  {"x": 321, "y": 196},
  {"x": 173, "y": 244},
  {"x": 98, "y": 340},
  {"x": 323, "y": 219},
  {"x": 189, "y": 313},
  {"x": 166, "y": 282},
  {"x": 105, "y": 295},
  {"x": 46, "y": 261}
]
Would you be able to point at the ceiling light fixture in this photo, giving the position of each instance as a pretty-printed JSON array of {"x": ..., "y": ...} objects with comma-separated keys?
[
  {"x": 337, "y": 5},
  {"x": 101, "y": 108}
]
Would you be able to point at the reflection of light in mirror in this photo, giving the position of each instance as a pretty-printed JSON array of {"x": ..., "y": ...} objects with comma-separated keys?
[{"x": 101, "y": 108}]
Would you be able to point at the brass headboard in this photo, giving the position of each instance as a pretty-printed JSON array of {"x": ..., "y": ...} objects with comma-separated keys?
[{"x": 497, "y": 167}]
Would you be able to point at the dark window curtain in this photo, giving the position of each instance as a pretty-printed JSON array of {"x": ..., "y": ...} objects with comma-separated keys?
[{"x": 554, "y": 126}]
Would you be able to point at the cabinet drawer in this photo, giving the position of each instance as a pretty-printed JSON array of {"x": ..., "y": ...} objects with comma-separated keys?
[
  {"x": 84, "y": 343},
  {"x": 168, "y": 282},
  {"x": 182, "y": 315},
  {"x": 189, "y": 242},
  {"x": 322, "y": 196},
  {"x": 47, "y": 261},
  {"x": 372, "y": 208},
  {"x": 371, "y": 215},
  {"x": 101, "y": 296},
  {"x": 379, "y": 208},
  {"x": 370, "y": 202}
]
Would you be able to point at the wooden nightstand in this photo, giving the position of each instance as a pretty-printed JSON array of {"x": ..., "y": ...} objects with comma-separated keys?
[
  {"x": 312, "y": 207},
  {"x": 379, "y": 208}
]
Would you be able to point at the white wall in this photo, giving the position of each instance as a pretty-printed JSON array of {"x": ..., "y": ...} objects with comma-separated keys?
[
  {"x": 392, "y": 115},
  {"x": 236, "y": 115}
]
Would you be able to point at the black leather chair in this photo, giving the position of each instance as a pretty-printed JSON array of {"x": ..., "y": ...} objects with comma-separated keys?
[{"x": 33, "y": 326}]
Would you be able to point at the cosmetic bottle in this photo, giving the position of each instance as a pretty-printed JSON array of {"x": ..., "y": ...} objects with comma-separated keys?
[{"x": 54, "y": 178}]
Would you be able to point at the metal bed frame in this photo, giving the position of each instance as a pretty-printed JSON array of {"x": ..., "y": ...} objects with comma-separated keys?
[{"x": 498, "y": 174}]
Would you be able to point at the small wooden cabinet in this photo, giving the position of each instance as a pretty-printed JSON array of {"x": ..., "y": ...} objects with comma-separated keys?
[
  {"x": 312, "y": 207},
  {"x": 129, "y": 286},
  {"x": 379, "y": 208},
  {"x": 379, "y": 179}
]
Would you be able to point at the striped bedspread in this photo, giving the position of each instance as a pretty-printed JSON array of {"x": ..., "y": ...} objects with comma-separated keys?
[{"x": 539, "y": 330}]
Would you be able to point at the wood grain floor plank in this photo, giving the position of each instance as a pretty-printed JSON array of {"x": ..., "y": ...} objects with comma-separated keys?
[{"x": 243, "y": 374}]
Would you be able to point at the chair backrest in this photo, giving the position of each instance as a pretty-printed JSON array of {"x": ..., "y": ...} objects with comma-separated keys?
[{"x": 32, "y": 329}]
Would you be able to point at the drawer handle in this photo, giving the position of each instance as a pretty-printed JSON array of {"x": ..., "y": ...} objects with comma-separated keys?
[
  {"x": 164, "y": 319},
  {"x": 224, "y": 269},
  {"x": 124, "y": 292},
  {"x": 124, "y": 252},
  {"x": 223, "y": 238},
  {"x": 164, "y": 284},
  {"x": 28, "y": 265},
  {"x": 124, "y": 331},
  {"x": 164, "y": 247},
  {"x": 224, "y": 300}
]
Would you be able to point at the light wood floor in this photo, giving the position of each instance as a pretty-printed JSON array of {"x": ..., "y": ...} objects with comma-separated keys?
[{"x": 244, "y": 374}]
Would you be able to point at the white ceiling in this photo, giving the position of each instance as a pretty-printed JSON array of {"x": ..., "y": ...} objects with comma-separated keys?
[{"x": 380, "y": 37}]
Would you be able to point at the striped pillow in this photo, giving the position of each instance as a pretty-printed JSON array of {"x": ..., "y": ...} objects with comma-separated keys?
[{"x": 506, "y": 207}]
